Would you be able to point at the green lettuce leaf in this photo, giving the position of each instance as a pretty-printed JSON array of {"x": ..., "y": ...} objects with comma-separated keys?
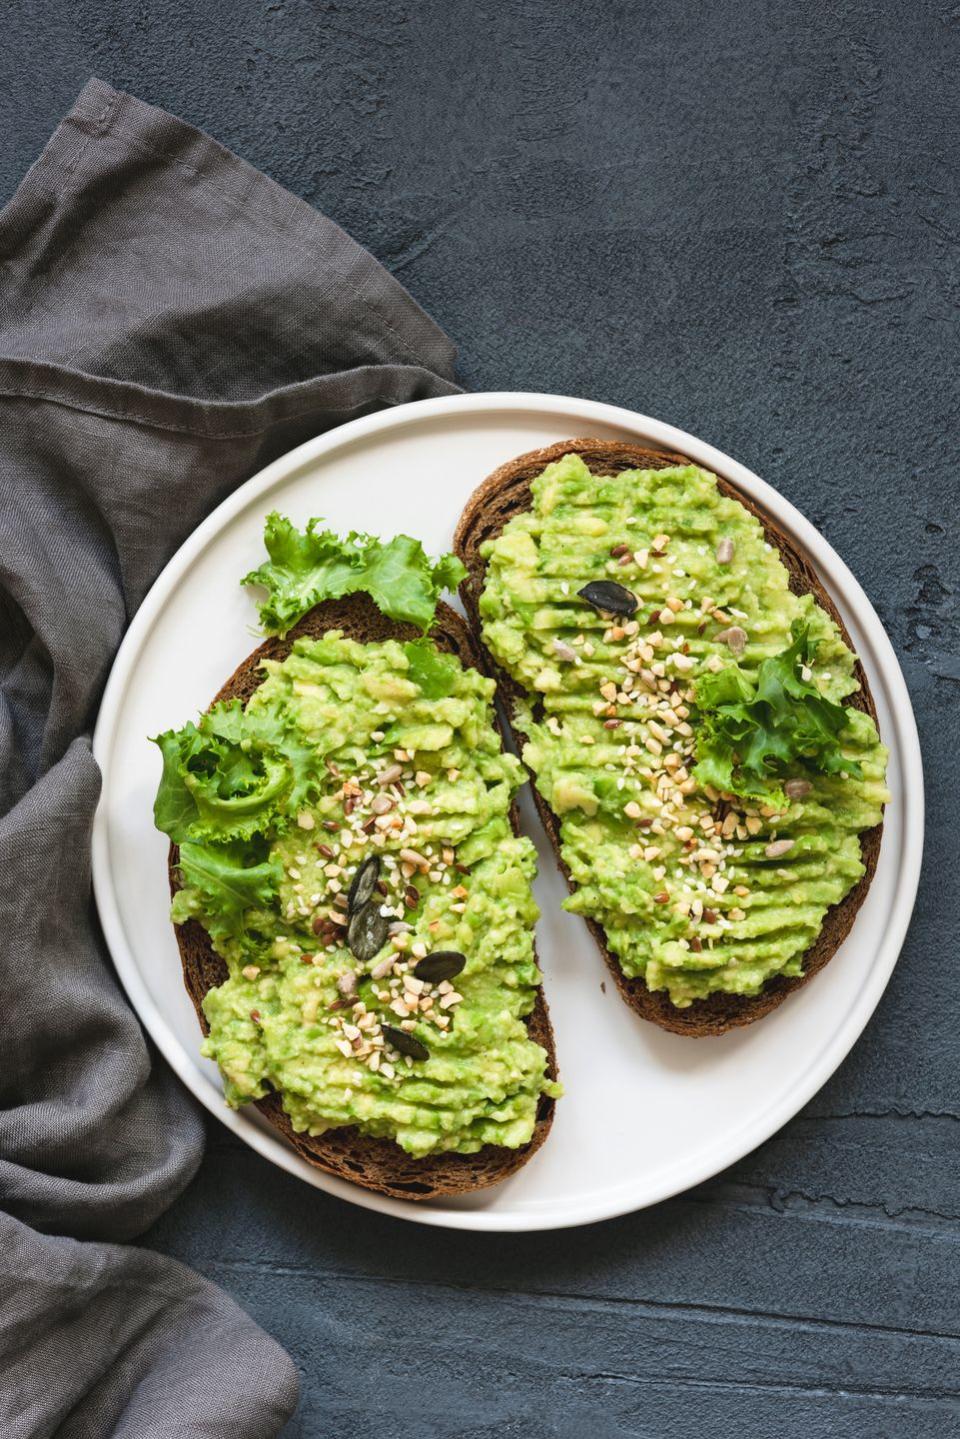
[
  {"x": 233, "y": 775},
  {"x": 435, "y": 673},
  {"x": 752, "y": 732},
  {"x": 307, "y": 566},
  {"x": 221, "y": 885}
]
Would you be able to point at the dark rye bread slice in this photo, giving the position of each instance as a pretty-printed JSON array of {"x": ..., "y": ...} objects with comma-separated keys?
[
  {"x": 376, "y": 1164},
  {"x": 506, "y": 493}
]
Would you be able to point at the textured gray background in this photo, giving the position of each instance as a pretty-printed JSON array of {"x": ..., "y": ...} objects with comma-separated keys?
[{"x": 742, "y": 218}]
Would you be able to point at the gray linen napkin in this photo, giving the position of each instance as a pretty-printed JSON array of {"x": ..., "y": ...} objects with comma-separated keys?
[{"x": 170, "y": 320}]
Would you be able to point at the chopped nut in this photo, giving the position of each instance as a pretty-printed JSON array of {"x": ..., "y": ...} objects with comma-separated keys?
[
  {"x": 413, "y": 857},
  {"x": 797, "y": 788}
]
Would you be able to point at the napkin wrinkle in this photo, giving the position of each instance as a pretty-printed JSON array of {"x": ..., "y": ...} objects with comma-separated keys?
[
  {"x": 171, "y": 321},
  {"x": 109, "y": 398}
]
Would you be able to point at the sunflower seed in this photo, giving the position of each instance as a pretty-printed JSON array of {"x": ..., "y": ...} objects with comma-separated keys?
[
  {"x": 725, "y": 551},
  {"x": 778, "y": 848}
]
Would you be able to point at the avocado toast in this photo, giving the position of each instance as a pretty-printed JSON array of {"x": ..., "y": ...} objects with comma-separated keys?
[
  {"x": 702, "y": 738},
  {"x": 424, "y": 1067}
]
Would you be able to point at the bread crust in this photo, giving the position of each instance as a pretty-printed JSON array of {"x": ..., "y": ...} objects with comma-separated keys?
[
  {"x": 376, "y": 1164},
  {"x": 506, "y": 493}
]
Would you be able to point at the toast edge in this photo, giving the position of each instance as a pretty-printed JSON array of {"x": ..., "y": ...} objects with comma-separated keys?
[
  {"x": 507, "y": 492},
  {"x": 378, "y": 1165}
]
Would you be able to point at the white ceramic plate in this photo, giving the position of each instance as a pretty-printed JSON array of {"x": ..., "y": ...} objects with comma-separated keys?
[{"x": 646, "y": 1114}]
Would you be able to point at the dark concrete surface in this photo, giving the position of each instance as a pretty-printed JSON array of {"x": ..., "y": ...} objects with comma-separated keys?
[{"x": 742, "y": 218}]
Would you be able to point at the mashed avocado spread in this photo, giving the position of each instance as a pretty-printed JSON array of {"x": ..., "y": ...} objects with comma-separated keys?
[
  {"x": 345, "y": 841},
  {"x": 684, "y": 721}
]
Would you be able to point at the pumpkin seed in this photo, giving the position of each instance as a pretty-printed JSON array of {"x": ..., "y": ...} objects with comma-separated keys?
[
  {"x": 442, "y": 964},
  {"x": 367, "y": 932},
  {"x": 609, "y": 597},
  {"x": 406, "y": 1043},
  {"x": 364, "y": 883}
]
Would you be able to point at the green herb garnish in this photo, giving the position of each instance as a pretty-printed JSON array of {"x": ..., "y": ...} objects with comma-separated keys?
[
  {"x": 754, "y": 730},
  {"x": 221, "y": 883}
]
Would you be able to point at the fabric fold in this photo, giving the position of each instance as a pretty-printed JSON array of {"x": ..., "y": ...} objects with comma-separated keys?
[{"x": 171, "y": 321}]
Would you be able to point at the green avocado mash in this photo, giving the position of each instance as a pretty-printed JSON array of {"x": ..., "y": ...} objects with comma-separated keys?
[
  {"x": 711, "y": 787},
  {"x": 345, "y": 752}
]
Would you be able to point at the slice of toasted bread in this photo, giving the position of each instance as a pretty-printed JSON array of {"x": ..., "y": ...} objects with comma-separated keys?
[
  {"x": 506, "y": 493},
  {"x": 376, "y": 1164}
]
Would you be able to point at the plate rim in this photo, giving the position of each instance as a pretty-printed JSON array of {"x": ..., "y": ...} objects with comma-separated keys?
[{"x": 734, "y": 1144}]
